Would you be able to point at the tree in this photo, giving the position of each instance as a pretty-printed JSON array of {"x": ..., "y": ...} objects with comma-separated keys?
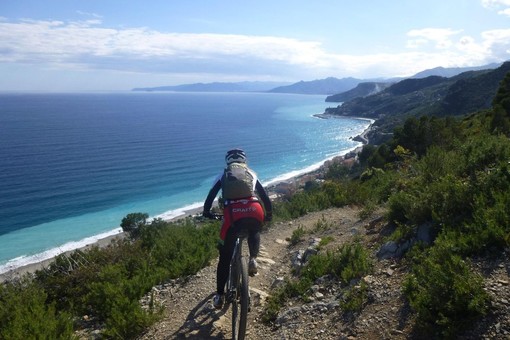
[{"x": 133, "y": 222}]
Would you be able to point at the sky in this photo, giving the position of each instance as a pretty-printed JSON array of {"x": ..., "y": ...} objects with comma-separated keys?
[{"x": 116, "y": 45}]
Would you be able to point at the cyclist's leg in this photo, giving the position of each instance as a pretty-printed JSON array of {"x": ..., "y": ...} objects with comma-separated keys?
[
  {"x": 252, "y": 227},
  {"x": 254, "y": 239},
  {"x": 226, "y": 251},
  {"x": 254, "y": 247}
]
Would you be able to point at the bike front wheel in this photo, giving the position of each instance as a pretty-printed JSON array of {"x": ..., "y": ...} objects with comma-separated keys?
[{"x": 240, "y": 305}]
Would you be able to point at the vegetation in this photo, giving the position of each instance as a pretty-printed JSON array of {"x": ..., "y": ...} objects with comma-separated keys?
[
  {"x": 105, "y": 284},
  {"x": 349, "y": 262},
  {"x": 452, "y": 174}
]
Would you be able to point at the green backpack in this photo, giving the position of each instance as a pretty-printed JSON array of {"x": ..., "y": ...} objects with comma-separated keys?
[{"x": 237, "y": 182}]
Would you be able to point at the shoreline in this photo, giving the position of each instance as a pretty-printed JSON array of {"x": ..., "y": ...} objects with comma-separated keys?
[{"x": 274, "y": 189}]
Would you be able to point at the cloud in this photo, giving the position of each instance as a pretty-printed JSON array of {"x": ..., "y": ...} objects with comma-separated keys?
[
  {"x": 55, "y": 40},
  {"x": 88, "y": 14},
  {"x": 496, "y": 5},
  {"x": 440, "y": 37},
  {"x": 87, "y": 45}
]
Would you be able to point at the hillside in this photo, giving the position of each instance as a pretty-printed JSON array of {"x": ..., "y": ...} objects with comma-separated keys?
[
  {"x": 361, "y": 90},
  {"x": 452, "y": 71},
  {"x": 433, "y": 95},
  {"x": 341, "y": 90},
  {"x": 329, "y": 85}
]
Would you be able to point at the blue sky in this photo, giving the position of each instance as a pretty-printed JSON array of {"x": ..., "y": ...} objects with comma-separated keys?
[{"x": 89, "y": 45}]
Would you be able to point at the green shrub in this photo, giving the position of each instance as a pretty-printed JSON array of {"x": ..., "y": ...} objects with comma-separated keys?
[
  {"x": 322, "y": 225},
  {"x": 354, "y": 298},
  {"x": 400, "y": 207},
  {"x": 115, "y": 298},
  {"x": 297, "y": 235},
  {"x": 490, "y": 227},
  {"x": 325, "y": 241},
  {"x": 183, "y": 249},
  {"x": 107, "y": 283},
  {"x": 26, "y": 314},
  {"x": 337, "y": 172},
  {"x": 132, "y": 223},
  {"x": 367, "y": 210},
  {"x": 445, "y": 293},
  {"x": 349, "y": 262},
  {"x": 277, "y": 299}
]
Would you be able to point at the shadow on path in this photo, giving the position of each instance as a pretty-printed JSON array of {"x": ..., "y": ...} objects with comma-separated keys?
[{"x": 200, "y": 322}]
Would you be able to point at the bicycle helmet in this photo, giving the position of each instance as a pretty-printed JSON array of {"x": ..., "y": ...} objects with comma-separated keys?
[{"x": 235, "y": 156}]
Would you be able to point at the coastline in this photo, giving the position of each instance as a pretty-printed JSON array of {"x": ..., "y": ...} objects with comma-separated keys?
[{"x": 275, "y": 189}]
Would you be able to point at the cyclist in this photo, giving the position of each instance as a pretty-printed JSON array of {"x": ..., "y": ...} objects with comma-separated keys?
[{"x": 242, "y": 193}]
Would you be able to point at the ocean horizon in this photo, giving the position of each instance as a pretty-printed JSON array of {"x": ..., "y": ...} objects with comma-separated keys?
[{"x": 73, "y": 165}]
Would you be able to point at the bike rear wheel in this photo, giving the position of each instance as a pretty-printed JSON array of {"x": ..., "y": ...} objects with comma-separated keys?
[{"x": 240, "y": 304}]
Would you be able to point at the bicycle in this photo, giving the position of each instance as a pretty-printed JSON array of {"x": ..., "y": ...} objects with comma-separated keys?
[{"x": 237, "y": 290}]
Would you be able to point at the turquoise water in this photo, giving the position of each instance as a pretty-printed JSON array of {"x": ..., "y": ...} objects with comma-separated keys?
[{"x": 74, "y": 164}]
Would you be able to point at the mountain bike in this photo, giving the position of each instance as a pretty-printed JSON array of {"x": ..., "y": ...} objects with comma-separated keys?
[{"x": 237, "y": 291}]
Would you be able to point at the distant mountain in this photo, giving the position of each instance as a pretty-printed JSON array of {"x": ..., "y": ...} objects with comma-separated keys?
[
  {"x": 464, "y": 93},
  {"x": 329, "y": 86},
  {"x": 246, "y": 86},
  {"x": 453, "y": 71},
  {"x": 326, "y": 86},
  {"x": 362, "y": 90}
]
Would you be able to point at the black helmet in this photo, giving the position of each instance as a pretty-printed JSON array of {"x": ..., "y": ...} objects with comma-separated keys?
[{"x": 235, "y": 155}]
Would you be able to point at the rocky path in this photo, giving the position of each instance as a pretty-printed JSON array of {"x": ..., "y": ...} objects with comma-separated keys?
[
  {"x": 189, "y": 313},
  {"x": 188, "y": 303}
]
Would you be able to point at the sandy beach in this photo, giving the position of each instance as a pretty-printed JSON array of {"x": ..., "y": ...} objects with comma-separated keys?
[{"x": 275, "y": 189}]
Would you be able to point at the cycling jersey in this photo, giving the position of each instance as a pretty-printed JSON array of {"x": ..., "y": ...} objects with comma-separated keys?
[
  {"x": 242, "y": 207},
  {"x": 237, "y": 209}
]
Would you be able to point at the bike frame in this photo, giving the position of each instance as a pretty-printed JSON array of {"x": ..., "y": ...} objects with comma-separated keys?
[{"x": 238, "y": 291}]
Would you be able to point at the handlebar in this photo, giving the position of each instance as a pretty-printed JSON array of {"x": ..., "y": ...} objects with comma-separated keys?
[
  {"x": 213, "y": 216},
  {"x": 219, "y": 217}
]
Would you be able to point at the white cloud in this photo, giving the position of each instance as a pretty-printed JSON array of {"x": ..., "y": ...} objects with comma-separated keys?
[
  {"x": 496, "y": 5},
  {"x": 88, "y": 14},
  {"x": 505, "y": 12},
  {"x": 87, "y": 45},
  {"x": 440, "y": 37},
  {"x": 51, "y": 40}
]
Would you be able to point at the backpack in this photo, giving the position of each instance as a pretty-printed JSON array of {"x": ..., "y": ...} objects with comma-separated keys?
[{"x": 237, "y": 182}]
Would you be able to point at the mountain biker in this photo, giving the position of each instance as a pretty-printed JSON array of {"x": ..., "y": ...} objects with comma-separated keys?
[{"x": 242, "y": 193}]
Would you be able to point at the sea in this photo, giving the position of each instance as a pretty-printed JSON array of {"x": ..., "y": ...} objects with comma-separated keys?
[{"x": 73, "y": 165}]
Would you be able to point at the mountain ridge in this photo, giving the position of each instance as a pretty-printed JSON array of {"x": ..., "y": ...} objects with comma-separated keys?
[
  {"x": 245, "y": 86},
  {"x": 464, "y": 93},
  {"x": 326, "y": 86}
]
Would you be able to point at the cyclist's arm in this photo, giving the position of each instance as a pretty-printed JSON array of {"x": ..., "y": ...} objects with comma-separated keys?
[
  {"x": 264, "y": 197},
  {"x": 211, "y": 196}
]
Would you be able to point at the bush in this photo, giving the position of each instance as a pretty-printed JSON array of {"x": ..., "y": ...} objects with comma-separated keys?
[
  {"x": 26, "y": 314},
  {"x": 115, "y": 299},
  {"x": 133, "y": 223},
  {"x": 445, "y": 293},
  {"x": 354, "y": 298},
  {"x": 107, "y": 283},
  {"x": 297, "y": 235}
]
